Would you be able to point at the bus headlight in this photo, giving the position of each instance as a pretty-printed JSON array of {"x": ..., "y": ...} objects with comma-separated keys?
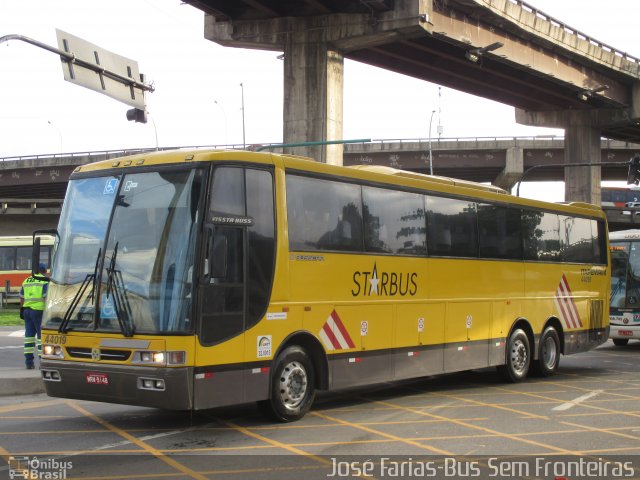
[
  {"x": 52, "y": 351},
  {"x": 159, "y": 358}
]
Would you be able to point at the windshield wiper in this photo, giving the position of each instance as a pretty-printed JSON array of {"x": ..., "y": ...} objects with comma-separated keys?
[
  {"x": 117, "y": 289},
  {"x": 91, "y": 277}
]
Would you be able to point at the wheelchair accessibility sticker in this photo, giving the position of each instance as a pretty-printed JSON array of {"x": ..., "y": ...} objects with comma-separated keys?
[
  {"x": 110, "y": 187},
  {"x": 107, "y": 308}
]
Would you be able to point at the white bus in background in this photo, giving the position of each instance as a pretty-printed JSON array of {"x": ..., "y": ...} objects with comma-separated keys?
[{"x": 625, "y": 286}]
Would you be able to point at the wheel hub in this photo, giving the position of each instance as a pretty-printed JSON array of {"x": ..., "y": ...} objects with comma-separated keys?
[
  {"x": 293, "y": 384},
  {"x": 519, "y": 356},
  {"x": 549, "y": 352}
]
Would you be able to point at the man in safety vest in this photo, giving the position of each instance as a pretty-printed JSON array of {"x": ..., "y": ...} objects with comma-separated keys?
[{"x": 32, "y": 296}]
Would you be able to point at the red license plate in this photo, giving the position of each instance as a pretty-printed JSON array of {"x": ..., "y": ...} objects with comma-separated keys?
[
  {"x": 97, "y": 378},
  {"x": 625, "y": 333}
]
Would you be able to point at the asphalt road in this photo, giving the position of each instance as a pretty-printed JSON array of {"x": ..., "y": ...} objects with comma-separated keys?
[{"x": 582, "y": 423}]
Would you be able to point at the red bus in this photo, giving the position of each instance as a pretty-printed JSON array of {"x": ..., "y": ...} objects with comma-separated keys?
[{"x": 15, "y": 262}]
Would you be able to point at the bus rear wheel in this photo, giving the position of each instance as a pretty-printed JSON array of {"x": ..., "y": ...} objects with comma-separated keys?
[
  {"x": 292, "y": 386},
  {"x": 518, "y": 358},
  {"x": 549, "y": 354},
  {"x": 620, "y": 342}
]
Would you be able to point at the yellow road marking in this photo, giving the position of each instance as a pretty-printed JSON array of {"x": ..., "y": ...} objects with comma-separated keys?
[
  {"x": 28, "y": 406},
  {"x": 31, "y": 417},
  {"x": 584, "y": 405},
  {"x": 478, "y": 427},
  {"x": 577, "y": 401},
  {"x": 274, "y": 443},
  {"x": 369, "y": 424},
  {"x": 586, "y": 427},
  {"x": 382, "y": 434},
  {"x": 499, "y": 407},
  {"x": 148, "y": 448},
  {"x": 615, "y": 394}
]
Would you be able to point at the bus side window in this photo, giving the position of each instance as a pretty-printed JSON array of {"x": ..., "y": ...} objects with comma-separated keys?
[
  {"x": 7, "y": 258},
  {"x": 219, "y": 257}
]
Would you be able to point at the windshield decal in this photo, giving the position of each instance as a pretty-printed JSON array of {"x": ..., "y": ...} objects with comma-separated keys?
[
  {"x": 129, "y": 185},
  {"x": 107, "y": 309},
  {"x": 110, "y": 186}
]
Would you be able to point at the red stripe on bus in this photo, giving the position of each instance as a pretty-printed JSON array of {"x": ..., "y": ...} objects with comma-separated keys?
[
  {"x": 332, "y": 338},
  {"x": 343, "y": 331}
]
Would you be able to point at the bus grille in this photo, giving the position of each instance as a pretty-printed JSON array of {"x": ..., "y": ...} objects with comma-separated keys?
[{"x": 105, "y": 354}]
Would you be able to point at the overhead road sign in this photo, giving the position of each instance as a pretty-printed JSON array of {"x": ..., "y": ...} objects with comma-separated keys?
[
  {"x": 98, "y": 69},
  {"x": 95, "y": 68}
]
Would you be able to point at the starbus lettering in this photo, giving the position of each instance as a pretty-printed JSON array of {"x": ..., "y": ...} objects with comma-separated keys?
[{"x": 390, "y": 284}]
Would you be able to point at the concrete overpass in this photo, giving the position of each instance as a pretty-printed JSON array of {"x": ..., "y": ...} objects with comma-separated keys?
[
  {"x": 32, "y": 188},
  {"x": 504, "y": 50}
]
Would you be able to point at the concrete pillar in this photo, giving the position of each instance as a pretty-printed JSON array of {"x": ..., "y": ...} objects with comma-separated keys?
[
  {"x": 582, "y": 131},
  {"x": 513, "y": 169},
  {"x": 313, "y": 89},
  {"x": 582, "y": 145}
]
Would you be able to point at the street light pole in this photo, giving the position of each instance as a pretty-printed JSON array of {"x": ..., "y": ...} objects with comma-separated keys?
[
  {"x": 430, "y": 153},
  {"x": 244, "y": 141},
  {"x": 155, "y": 130}
]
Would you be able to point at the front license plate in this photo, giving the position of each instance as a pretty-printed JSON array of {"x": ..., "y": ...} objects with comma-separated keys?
[
  {"x": 626, "y": 333},
  {"x": 97, "y": 378}
]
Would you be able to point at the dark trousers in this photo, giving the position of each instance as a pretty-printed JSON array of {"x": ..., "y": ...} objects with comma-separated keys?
[{"x": 32, "y": 327}]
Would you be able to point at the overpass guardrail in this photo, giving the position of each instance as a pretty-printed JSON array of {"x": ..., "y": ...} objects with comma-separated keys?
[{"x": 96, "y": 155}]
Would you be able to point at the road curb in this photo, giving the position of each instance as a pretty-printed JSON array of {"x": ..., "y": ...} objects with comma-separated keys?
[{"x": 21, "y": 383}]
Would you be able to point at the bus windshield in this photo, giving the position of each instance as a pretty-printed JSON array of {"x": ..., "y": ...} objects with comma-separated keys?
[
  {"x": 625, "y": 274},
  {"x": 124, "y": 261}
]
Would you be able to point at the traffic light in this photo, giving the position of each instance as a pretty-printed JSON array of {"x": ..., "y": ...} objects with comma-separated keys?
[
  {"x": 634, "y": 170},
  {"x": 137, "y": 115}
]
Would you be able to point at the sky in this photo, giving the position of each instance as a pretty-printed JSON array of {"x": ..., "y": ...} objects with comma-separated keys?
[{"x": 198, "y": 97}]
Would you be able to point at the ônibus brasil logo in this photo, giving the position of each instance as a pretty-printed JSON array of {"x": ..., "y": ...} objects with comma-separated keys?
[{"x": 389, "y": 284}]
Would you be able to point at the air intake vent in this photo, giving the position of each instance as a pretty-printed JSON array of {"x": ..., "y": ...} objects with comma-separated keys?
[{"x": 105, "y": 354}]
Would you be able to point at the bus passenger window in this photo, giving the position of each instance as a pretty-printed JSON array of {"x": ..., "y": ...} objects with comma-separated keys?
[
  {"x": 323, "y": 215},
  {"x": 6, "y": 258},
  {"x": 452, "y": 228},
  {"x": 394, "y": 222},
  {"x": 541, "y": 233}
]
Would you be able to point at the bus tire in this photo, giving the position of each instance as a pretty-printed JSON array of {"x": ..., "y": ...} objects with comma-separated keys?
[
  {"x": 292, "y": 386},
  {"x": 549, "y": 354},
  {"x": 620, "y": 342},
  {"x": 518, "y": 358}
]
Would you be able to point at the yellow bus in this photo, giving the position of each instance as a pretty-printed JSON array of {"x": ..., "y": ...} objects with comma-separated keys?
[
  {"x": 197, "y": 279},
  {"x": 15, "y": 262}
]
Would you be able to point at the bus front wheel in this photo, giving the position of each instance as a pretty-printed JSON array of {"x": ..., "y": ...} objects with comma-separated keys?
[
  {"x": 549, "y": 354},
  {"x": 292, "y": 386},
  {"x": 518, "y": 357}
]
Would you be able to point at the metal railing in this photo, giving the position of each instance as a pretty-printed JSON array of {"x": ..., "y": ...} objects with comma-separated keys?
[
  {"x": 566, "y": 28},
  {"x": 96, "y": 155}
]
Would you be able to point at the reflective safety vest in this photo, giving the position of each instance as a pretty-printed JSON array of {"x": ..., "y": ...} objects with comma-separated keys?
[{"x": 33, "y": 291}]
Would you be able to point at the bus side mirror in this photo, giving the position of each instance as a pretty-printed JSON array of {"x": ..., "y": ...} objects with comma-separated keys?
[
  {"x": 634, "y": 170},
  {"x": 35, "y": 256}
]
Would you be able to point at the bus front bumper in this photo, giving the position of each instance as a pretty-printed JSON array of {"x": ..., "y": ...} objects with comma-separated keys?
[
  {"x": 624, "y": 331},
  {"x": 166, "y": 388}
]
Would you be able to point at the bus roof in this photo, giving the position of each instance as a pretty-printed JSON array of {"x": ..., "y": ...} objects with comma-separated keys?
[
  {"x": 23, "y": 240},
  {"x": 374, "y": 173}
]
